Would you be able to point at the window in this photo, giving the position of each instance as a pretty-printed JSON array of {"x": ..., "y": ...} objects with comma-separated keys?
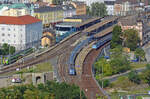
[
  {"x": 14, "y": 35},
  {"x": 8, "y": 34},
  {"x": 8, "y": 29},
  {"x": 3, "y": 34},
  {"x": 14, "y": 41},
  {"x": 3, "y": 28},
  {"x": 20, "y": 29},
  {"x": 3, "y": 40}
]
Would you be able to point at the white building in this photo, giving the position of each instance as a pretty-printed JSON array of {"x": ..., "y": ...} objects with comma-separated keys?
[
  {"x": 89, "y": 2},
  {"x": 110, "y": 6},
  {"x": 68, "y": 10},
  {"x": 21, "y": 32}
]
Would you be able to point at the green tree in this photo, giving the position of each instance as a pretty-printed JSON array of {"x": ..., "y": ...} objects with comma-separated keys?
[
  {"x": 98, "y": 9},
  {"x": 104, "y": 83},
  {"x": 5, "y": 48},
  {"x": 134, "y": 77},
  {"x": 119, "y": 62},
  {"x": 116, "y": 34},
  {"x": 59, "y": 2},
  {"x": 147, "y": 66},
  {"x": 88, "y": 10},
  {"x": 139, "y": 52},
  {"x": 146, "y": 76},
  {"x": 131, "y": 39},
  {"x": 103, "y": 64}
]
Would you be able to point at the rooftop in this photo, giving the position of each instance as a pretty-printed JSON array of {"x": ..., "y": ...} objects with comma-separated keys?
[
  {"x": 46, "y": 9},
  {"x": 67, "y": 24},
  {"x": 21, "y": 20},
  {"x": 83, "y": 17},
  {"x": 131, "y": 1}
]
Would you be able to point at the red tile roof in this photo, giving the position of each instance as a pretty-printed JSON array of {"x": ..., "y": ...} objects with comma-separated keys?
[{"x": 21, "y": 20}]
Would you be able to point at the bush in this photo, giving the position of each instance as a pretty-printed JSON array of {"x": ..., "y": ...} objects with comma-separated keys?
[
  {"x": 104, "y": 83},
  {"x": 134, "y": 77}
]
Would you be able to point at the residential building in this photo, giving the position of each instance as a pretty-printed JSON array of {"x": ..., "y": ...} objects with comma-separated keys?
[
  {"x": 80, "y": 7},
  {"x": 139, "y": 23},
  {"x": 48, "y": 1},
  {"x": 89, "y": 2},
  {"x": 21, "y": 32},
  {"x": 125, "y": 7},
  {"x": 49, "y": 15},
  {"x": 17, "y": 9},
  {"x": 110, "y": 6},
  {"x": 68, "y": 10},
  {"x": 15, "y": 12}
]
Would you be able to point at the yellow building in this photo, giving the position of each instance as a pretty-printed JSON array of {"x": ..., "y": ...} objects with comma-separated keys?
[
  {"x": 33, "y": 1},
  {"x": 48, "y": 1},
  {"x": 15, "y": 12},
  {"x": 49, "y": 15}
]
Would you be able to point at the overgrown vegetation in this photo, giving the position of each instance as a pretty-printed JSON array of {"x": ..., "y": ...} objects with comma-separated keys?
[
  {"x": 97, "y": 9},
  {"x": 39, "y": 68},
  {"x": 50, "y": 90},
  {"x": 120, "y": 61},
  {"x": 7, "y": 49}
]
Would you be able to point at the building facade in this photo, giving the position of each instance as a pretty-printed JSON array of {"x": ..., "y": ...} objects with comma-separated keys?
[
  {"x": 49, "y": 15},
  {"x": 139, "y": 24},
  {"x": 110, "y": 6},
  {"x": 17, "y": 9},
  {"x": 68, "y": 10},
  {"x": 80, "y": 7},
  {"x": 21, "y": 32},
  {"x": 89, "y": 2}
]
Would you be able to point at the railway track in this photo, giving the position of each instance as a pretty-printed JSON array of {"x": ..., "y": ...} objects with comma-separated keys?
[
  {"x": 89, "y": 85},
  {"x": 48, "y": 54},
  {"x": 63, "y": 50}
]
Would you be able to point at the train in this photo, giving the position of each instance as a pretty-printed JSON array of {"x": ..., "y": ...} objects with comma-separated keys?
[
  {"x": 13, "y": 58},
  {"x": 74, "y": 53},
  {"x": 101, "y": 41}
]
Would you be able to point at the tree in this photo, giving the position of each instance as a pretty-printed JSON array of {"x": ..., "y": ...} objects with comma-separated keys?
[
  {"x": 116, "y": 34},
  {"x": 139, "y": 52},
  {"x": 59, "y": 2},
  {"x": 88, "y": 11},
  {"x": 12, "y": 49},
  {"x": 131, "y": 39},
  {"x": 134, "y": 77},
  {"x": 50, "y": 90},
  {"x": 103, "y": 64},
  {"x": 97, "y": 9},
  {"x": 146, "y": 76},
  {"x": 5, "y": 48},
  {"x": 147, "y": 66},
  {"x": 104, "y": 83},
  {"x": 119, "y": 62}
]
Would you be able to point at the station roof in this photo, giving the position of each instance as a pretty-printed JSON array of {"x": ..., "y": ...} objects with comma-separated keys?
[
  {"x": 83, "y": 17},
  {"x": 67, "y": 24}
]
